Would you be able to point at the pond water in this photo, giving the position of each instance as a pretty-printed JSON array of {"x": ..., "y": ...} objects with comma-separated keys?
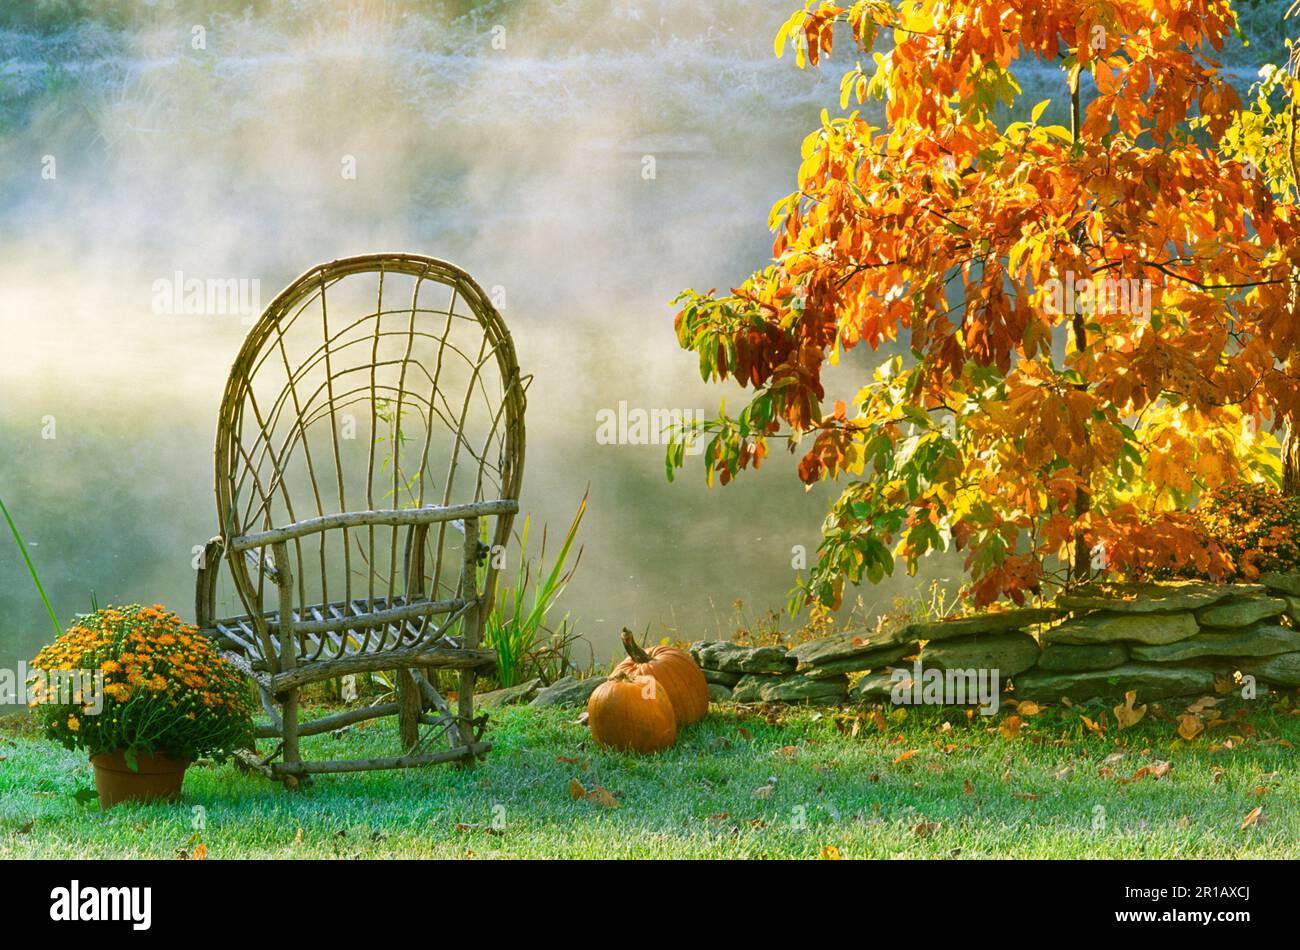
[{"x": 585, "y": 163}]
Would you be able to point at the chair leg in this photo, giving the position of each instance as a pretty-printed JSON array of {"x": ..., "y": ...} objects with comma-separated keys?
[
  {"x": 465, "y": 710},
  {"x": 289, "y": 712},
  {"x": 410, "y": 706}
]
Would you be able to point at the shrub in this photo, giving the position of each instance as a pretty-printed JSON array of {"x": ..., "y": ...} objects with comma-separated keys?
[
  {"x": 1255, "y": 525},
  {"x": 164, "y": 688}
]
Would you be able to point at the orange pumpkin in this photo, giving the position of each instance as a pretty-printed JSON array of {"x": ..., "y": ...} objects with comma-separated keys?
[
  {"x": 631, "y": 713},
  {"x": 681, "y": 677}
]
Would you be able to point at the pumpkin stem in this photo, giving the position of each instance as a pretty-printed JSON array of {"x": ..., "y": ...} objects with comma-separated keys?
[{"x": 633, "y": 648}]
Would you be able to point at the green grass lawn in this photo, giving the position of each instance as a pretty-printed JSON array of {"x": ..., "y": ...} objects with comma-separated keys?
[{"x": 929, "y": 784}]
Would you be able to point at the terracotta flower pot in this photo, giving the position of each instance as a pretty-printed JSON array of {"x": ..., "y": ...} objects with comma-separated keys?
[{"x": 158, "y": 778}]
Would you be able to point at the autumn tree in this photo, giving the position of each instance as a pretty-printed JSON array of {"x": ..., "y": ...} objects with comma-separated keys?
[
  {"x": 1264, "y": 137},
  {"x": 1097, "y": 312}
]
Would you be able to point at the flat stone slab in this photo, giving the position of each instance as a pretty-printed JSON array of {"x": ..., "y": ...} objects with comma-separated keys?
[
  {"x": 1293, "y": 608},
  {"x": 734, "y": 658},
  {"x": 1282, "y": 583},
  {"x": 509, "y": 696},
  {"x": 1261, "y": 640},
  {"x": 1242, "y": 611},
  {"x": 875, "y": 688},
  {"x": 1153, "y": 628},
  {"x": 999, "y": 621},
  {"x": 719, "y": 694},
  {"x": 1152, "y": 681},
  {"x": 1008, "y": 653},
  {"x": 1068, "y": 658},
  {"x": 791, "y": 688},
  {"x": 872, "y": 660},
  {"x": 1280, "y": 670},
  {"x": 721, "y": 678},
  {"x": 1153, "y": 598},
  {"x": 830, "y": 650},
  {"x": 567, "y": 691}
]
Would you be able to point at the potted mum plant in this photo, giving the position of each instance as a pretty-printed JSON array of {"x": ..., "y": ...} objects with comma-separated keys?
[{"x": 145, "y": 695}]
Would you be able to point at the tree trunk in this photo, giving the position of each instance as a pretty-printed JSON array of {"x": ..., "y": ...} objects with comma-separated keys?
[
  {"x": 1291, "y": 460},
  {"x": 1082, "y": 568}
]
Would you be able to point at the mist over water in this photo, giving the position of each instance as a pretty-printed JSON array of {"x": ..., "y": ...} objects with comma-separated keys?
[{"x": 524, "y": 165}]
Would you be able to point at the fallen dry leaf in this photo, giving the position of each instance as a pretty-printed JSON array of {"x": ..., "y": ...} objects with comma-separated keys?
[
  {"x": 1253, "y": 817},
  {"x": 1127, "y": 714},
  {"x": 1156, "y": 771},
  {"x": 576, "y": 790},
  {"x": 968, "y": 788},
  {"x": 904, "y": 756},
  {"x": 463, "y": 826},
  {"x": 1010, "y": 727},
  {"x": 831, "y": 853},
  {"x": 923, "y": 829},
  {"x": 1028, "y": 707},
  {"x": 1190, "y": 726}
]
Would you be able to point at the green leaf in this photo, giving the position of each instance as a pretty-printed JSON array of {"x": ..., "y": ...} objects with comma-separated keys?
[{"x": 31, "y": 569}]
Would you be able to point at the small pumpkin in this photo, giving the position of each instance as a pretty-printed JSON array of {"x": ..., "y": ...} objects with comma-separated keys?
[
  {"x": 681, "y": 677},
  {"x": 631, "y": 713}
]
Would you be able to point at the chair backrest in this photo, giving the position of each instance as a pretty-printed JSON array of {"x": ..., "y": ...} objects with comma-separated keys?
[{"x": 374, "y": 382}]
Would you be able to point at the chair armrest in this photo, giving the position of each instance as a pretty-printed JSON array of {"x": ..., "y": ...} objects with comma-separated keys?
[
  {"x": 205, "y": 587},
  {"x": 430, "y": 514}
]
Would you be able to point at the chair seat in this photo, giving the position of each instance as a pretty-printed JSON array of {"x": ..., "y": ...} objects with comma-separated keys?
[{"x": 360, "y": 626}]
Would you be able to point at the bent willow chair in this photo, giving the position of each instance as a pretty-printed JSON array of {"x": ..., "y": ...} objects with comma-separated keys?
[{"x": 370, "y": 447}]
